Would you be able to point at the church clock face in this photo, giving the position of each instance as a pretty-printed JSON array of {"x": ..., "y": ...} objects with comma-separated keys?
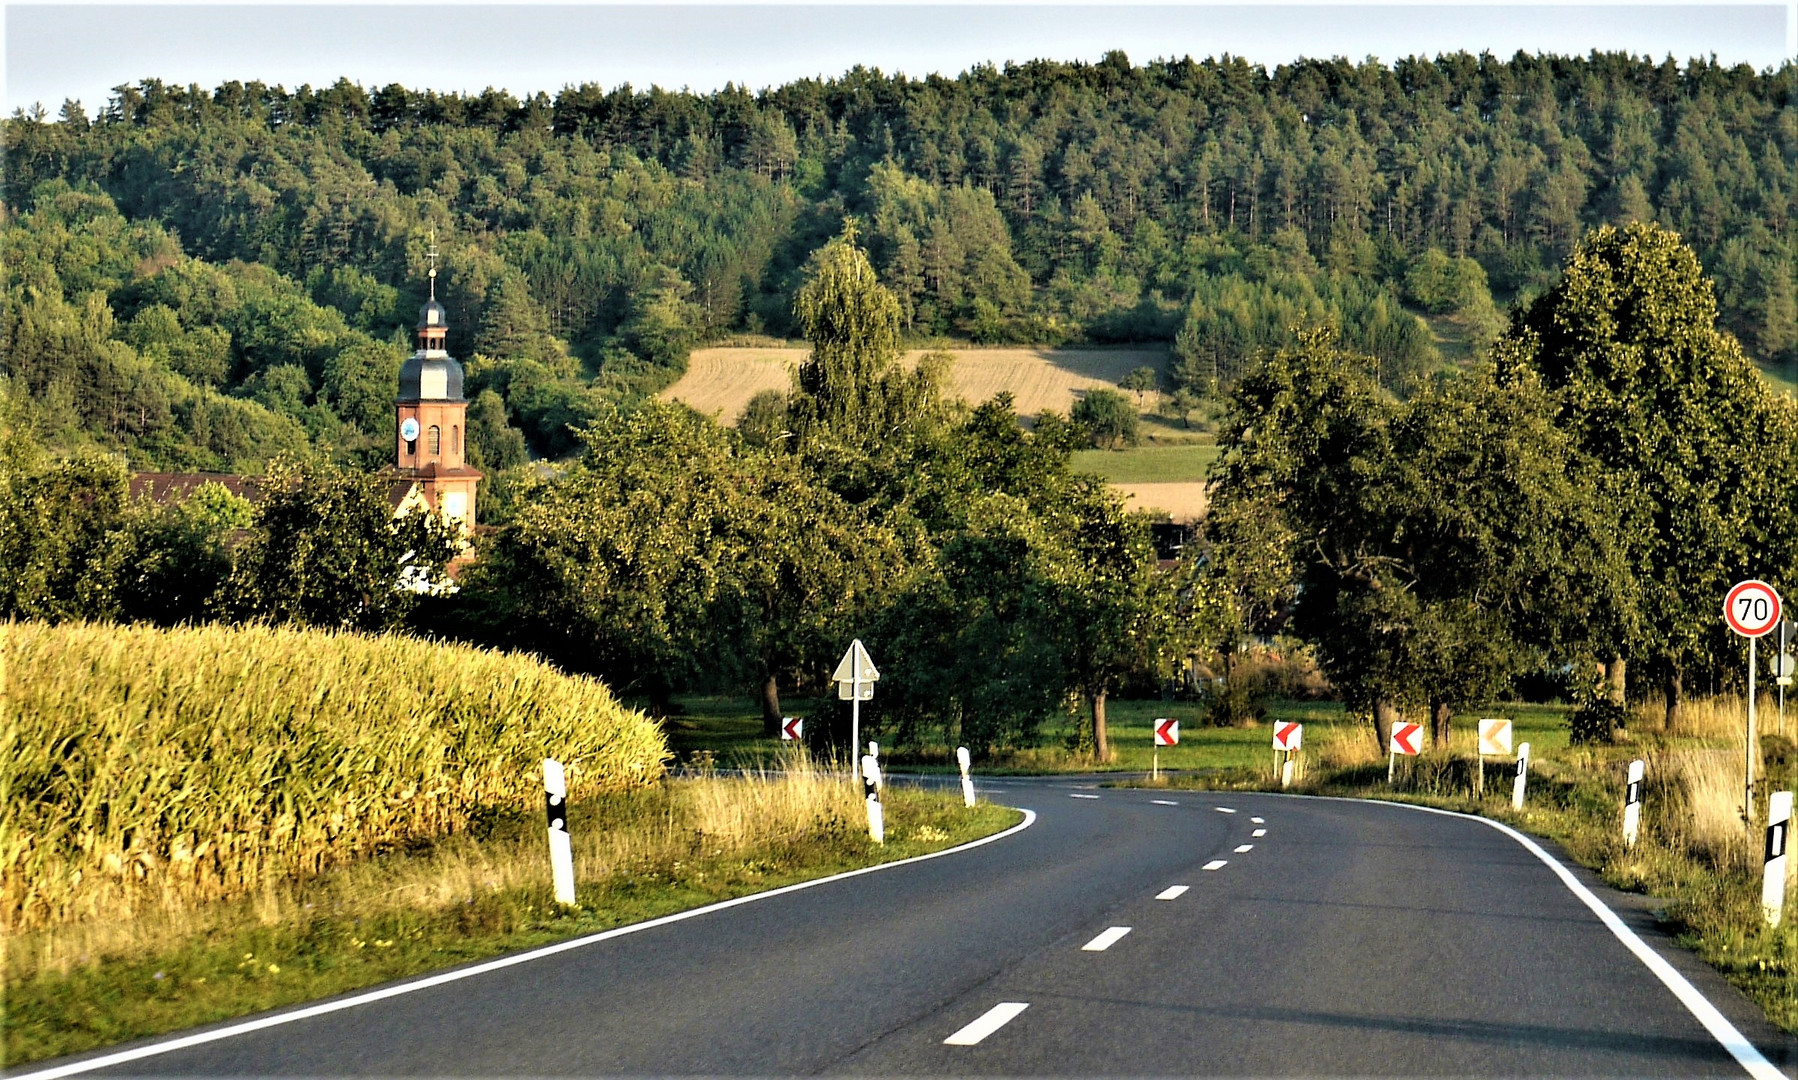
[{"x": 409, "y": 429}]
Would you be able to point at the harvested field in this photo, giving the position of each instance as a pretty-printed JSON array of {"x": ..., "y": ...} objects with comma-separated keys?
[
  {"x": 721, "y": 381},
  {"x": 1182, "y": 502}
]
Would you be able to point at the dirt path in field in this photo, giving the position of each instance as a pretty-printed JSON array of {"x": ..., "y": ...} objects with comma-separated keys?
[{"x": 721, "y": 381}]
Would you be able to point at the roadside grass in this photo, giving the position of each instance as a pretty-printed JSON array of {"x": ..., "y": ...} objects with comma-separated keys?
[
  {"x": 1149, "y": 464},
  {"x": 456, "y": 899}
]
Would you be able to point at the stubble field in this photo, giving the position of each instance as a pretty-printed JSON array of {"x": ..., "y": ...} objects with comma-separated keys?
[{"x": 721, "y": 381}]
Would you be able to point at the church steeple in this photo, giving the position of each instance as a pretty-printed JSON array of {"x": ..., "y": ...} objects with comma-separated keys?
[{"x": 432, "y": 417}]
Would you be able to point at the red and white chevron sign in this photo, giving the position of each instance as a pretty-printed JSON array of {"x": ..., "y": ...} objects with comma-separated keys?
[
  {"x": 1287, "y": 735},
  {"x": 789, "y": 727},
  {"x": 1407, "y": 738},
  {"x": 1167, "y": 732}
]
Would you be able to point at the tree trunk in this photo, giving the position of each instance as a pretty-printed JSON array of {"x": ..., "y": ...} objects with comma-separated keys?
[
  {"x": 1616, "y": 678},
  {"x": 1230, "y": 685},
  {"x": 1440, "y": 713},
  {"x": 1383, "y": 716},
  {"x": 1101, "y": 743},
  {"x": 660, "y": 696},
  {"x": 770, "y": 706},
  {"x": 1675, "y": 690}
]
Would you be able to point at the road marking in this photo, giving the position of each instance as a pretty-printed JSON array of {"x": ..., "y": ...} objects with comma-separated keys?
[
  {"x": 105, "y": 1061},
  {"x": 1216, "y": 863},
  {"x": 1172, "y": 892},
  {"x": 1745, "y": 1052},
  {"x": 1245, "y": 847},
  {"x": 990, "y": 1021},
  {"x": 1259, "y": 832},
  {"x": 1259, "y": 821},
  {"x": 1105, "y": 940},
  {"x": 1077, "y": 795},
  {"x": 1164, "y": 802},
  {"x": 1225, "y": 810}
]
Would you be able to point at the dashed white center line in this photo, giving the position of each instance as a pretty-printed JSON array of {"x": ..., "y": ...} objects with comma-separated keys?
[
  {"x": 990, "y": 1021},
  {"x": 1216, "y": 864},
  {"x": 1225, "y": 810},
  {"x": 1077, "y": 795},
  {"x": 1259, "y": 832},
  {"x": 1164, "y": 802},
  {"x": 1172, "y": 892},
  {"x": 1245, "y": 847},
  {"x": 1259, "y": 821},
  {"x": 1105, "y": 940}
]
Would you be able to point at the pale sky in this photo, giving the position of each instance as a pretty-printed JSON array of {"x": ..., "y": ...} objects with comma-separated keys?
[{"x": 81, "y": 50}]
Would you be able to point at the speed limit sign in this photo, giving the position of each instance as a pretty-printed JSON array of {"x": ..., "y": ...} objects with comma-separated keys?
[{"x": 1752, "y": 608}]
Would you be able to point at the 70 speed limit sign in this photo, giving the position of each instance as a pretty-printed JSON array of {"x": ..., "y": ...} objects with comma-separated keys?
[{"x": 1752, "y": 608}]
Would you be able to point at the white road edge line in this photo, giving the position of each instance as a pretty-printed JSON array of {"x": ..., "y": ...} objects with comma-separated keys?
[
  {"x": 1077, "y": 795},
  {"x": 1216, "y": 864},
  {"x": 1111, "y": 936},
  {"x": 1225, "y": 810},
  {"x": 307, "y": 1012},
  {"x": 990, "y": 1021},
  {"x": 1259, "y": 832},
  {"x": 1172, "y": 892},
  {"x": 1259, "y": 821},
  {"x": 1164, "y": 802},
  {"x": 1747, "y": 1056},
  {"x": 1244, "y": 847}
]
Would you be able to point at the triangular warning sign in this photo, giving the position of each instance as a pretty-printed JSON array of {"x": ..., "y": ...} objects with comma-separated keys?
[{"x": 855, "y": 665}]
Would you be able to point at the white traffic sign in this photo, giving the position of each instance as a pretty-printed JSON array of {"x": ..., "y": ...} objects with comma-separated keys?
[
  {"x": 1167, "y": 732},
  {"x": 1288, "y": 735},
  {"x": 1407, "y": 738},
  {"x": 1495, "y": 738},
  {"x": 1752, "y": 608},
  {"x": 791, "y": 728},
  {"x": 855, "y": 677}
]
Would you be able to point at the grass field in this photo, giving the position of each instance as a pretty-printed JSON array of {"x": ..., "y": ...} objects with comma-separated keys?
[
  {"x": 721, "y": 381},
  {"x": 1149, "y": 464}
]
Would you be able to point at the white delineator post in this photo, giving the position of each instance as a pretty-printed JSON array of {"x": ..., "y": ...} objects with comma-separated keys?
[
  {"x": 1523, "y": 772},
  {"x": 1773, "y": 876},
  {"x": 1632, "y": 804},
  {"x": 967, "y": 783},
  {"x": 880, "y": 783},
  {"x": 871, "y": 789},
  {"x": 561, "y": 855}
]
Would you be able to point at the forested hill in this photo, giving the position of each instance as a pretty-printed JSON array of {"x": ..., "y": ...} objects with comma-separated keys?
[{"x": 267, "y": 247}]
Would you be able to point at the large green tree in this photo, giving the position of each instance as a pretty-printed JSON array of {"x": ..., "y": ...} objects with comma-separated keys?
[{"x": 1646, "y": 384}]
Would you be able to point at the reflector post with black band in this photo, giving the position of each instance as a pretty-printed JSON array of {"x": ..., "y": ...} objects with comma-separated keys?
[
  {"x": 1632, "y": 803},
  {"x": 871, "y": 791},
  {"x": 1773, "y": 874},
  {"x": 1523, "y": 774},
  {"x": 555, "y": 806}
]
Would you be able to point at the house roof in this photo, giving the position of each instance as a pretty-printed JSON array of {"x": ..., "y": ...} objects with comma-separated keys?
[{"x": 166, "y": 489}]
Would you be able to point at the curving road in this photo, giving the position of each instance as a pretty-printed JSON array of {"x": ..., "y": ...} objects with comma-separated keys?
[{"x": 1312, "y": 937}]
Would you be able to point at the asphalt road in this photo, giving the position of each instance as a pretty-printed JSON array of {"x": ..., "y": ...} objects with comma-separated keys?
[{"x": 1350, "y": 939}]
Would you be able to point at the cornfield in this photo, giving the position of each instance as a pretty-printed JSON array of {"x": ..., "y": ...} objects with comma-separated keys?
[{"x": 143, "y": 767}]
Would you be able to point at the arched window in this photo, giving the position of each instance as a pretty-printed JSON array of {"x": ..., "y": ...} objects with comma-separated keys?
[
  {"x": 456, "y": 439},
  {"x": 434, "y": 444}
]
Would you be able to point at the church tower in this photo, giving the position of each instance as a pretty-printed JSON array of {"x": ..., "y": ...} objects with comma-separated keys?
[{"x": 433, "y": 426}]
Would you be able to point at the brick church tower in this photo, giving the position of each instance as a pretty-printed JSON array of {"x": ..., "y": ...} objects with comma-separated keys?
[{"x": 433, "y": 427}]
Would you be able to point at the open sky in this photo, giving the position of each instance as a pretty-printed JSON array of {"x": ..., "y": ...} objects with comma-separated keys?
[{"x": 81, "y": 50}]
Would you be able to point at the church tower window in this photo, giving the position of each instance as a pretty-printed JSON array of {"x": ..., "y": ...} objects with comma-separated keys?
[{"x": 434, "y": 442}]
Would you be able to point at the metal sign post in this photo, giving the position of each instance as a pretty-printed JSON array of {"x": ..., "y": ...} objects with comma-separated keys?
[
  {"x": 1752, "y": 610},
  {"x": 855, "y": 677}
]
